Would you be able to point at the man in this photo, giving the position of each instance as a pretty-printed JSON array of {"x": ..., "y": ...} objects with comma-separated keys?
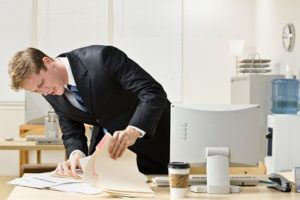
[{"x": 101, "y": 86}]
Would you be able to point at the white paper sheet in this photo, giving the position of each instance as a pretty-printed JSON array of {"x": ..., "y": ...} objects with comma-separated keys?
[
  {"x": 50, "y": 176},
  {"x": 31, "y": 182},
  {"x": 47, "y": 181},
  {"x": 82, "y": 188}
]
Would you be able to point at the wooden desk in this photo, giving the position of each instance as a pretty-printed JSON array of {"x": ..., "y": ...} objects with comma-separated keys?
[
  {"x": 33, "y": 129},
  {"x": 25, "y": 146},
  {"x": 29, "y": 129},
  {"x": 260, "y": 192},
  {"x": 22, "y": 144}
]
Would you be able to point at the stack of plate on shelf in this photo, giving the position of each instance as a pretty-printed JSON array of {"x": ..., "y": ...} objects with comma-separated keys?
[{"x": 254, "y": 66}]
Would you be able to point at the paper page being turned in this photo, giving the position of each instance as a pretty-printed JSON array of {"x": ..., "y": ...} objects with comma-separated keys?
[
  {"x": 89, "y": 175},
  {"x": 119, "y": 177}
]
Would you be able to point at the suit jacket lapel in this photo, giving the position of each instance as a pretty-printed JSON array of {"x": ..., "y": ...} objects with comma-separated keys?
[{"x": 83, "y": 82}]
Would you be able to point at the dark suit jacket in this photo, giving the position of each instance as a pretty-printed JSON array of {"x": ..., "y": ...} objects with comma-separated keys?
[{"x": 117, "y": 92}]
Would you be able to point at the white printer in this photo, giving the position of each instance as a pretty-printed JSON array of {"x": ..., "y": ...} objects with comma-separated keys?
[{"x": 283, "y": 142}]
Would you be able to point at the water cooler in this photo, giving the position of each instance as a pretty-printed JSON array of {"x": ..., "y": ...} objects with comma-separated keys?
[
  {"x": 283, "y": 143},
  {"x": 283, "y": 126}
]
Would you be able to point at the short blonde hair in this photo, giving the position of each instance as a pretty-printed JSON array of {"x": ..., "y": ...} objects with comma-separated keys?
[{"x": 23, "y": 64}]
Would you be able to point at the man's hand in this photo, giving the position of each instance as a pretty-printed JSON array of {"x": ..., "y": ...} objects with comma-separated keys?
[
  {"x": 68, "y": 167},
  {"x": 121, "y": 140}
]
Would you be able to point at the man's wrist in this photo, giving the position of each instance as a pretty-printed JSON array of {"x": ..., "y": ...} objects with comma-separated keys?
[
  {"x": 76, "y": 152},
  {"x": 140, "y": 131}
]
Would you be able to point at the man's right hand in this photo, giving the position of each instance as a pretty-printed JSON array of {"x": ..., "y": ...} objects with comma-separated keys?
[{"x": 69, "y": 167}]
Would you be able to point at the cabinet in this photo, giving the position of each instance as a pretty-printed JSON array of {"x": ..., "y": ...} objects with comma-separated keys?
[{"x": 255, "y": 89}]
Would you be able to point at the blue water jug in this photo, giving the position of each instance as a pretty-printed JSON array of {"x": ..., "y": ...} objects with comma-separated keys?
[{"x": 285, "y": 96}]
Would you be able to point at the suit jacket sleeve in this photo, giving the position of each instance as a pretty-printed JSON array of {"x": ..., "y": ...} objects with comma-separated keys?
[
  {"x": 152, "y": 97},
  {"x": 73, "y": 135}
]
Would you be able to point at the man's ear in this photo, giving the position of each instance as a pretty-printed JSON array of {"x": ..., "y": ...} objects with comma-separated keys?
[{"x": 47, "y": 61}]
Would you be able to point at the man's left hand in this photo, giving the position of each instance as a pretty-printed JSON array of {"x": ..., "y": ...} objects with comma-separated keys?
[{"x": 121, "y": 140}]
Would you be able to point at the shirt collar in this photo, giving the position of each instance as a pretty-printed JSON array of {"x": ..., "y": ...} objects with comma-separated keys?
[{"x": 66, "y": 62}]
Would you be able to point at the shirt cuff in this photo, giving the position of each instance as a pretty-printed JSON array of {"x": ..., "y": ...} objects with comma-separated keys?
[
  {"x": 142, "y": 133},
  {"x": 76, "y": 151}
]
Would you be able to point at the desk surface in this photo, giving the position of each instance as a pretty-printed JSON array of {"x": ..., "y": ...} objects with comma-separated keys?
[
  {"x": 22, "y": 144},
  {"x": 257, "y": 192}
]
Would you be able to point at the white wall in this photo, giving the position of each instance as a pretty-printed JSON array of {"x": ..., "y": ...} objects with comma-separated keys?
[
  {"x": 15, "y": 34},
  {"x": 64, "y": 25},
  {"x": 207, "y": 62},
  {"x": 271, "y": 16},
  {"x": 150, "y": 32}
]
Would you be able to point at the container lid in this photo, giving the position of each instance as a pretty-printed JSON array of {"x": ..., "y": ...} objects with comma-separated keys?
[
  {"x": 179, "y": 165},
  {"x": 284, "y": 80},
  {"x": 288, "y": 72}
]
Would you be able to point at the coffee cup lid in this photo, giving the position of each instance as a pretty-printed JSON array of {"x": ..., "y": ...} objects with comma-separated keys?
[{"x": 179, "y": 165}]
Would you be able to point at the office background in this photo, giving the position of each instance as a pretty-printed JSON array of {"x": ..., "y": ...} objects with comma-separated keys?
[{"x": 183, "y": 43}]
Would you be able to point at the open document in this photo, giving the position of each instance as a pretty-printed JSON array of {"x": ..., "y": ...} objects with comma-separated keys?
[
  {"x": 119, "y": 177},
  {"x": 101, "y": 173},
  {"x": 48, "y": 181}
]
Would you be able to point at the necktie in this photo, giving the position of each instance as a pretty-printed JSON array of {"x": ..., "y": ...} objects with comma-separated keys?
[{"x": 75, "y": 92}]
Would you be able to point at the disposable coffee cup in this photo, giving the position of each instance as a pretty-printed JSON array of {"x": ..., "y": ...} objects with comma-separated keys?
[{"x": 178, "y": 179}]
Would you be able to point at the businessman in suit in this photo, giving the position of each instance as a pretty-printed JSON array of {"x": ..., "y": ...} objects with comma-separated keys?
[{"x": 101, "y": 86}]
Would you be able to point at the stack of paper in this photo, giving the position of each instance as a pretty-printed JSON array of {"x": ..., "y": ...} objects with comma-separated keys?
[
  {"x": 47, "y": 181},
  {"x": 119, "y": 177}
]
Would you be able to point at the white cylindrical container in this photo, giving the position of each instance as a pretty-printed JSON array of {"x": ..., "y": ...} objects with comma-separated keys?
[
  {"x": 51, "y": 125},
  {"x": 178, "y": 179}
]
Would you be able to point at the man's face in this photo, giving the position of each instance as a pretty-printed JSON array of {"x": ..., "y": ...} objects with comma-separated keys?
[{"x": 47, "y": 82}]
